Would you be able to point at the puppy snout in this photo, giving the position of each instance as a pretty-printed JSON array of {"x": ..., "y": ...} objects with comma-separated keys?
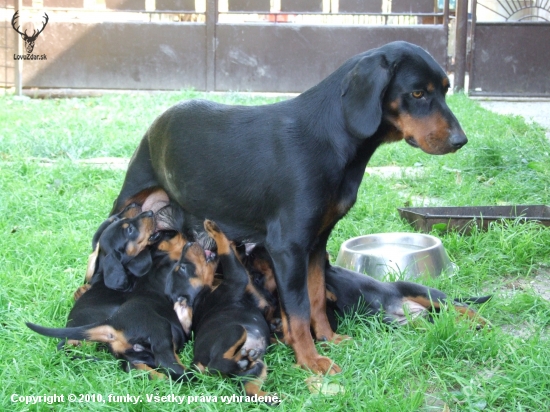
[{"x": 458, "y": 140}]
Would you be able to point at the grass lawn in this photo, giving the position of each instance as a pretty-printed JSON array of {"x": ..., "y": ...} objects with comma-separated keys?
[{"x": 51, "y": 206}]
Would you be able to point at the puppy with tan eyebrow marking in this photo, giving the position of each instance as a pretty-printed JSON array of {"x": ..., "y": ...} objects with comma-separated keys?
[
  {"x": 231, "y": 334},
  {"x": 121, "y": 251}
]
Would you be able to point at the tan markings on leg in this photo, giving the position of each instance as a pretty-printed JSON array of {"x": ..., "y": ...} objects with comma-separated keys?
[
  {"x": 465, "y": 310},
  {"x": 234, "y": 351},
  {"x": 318, "y": 302},
  {"x": 260, "y": 300},
  {"x": 90, "y": 267},
  {"x": 472, "y": 314},
  {"x": 200, "y": 367},
  {"x": 107, "y": 334},
  {"x": 335, "y": 211},
  {"x": 331, "y": 296},
  {"x": 215, "y": 233},
  {"x": 298, "y": 335},
  {"x": 74, "y": 342},
  {"x": 253, "y": 387},
  {"x": 153, "y": 374},
  {"x": 81, "y": 290}
]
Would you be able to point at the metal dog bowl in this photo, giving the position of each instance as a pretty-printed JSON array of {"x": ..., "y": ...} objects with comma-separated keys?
[{"x": 406, "y": 255}]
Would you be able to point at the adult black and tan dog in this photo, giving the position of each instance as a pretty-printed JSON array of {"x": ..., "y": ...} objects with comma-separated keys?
[{"x": 284, "y": 174}]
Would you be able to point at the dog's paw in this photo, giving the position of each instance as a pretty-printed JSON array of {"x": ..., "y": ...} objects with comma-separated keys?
[
  {"x": 211, "y": 227},
  {"x": 247, "y": 358},
  {"x": 320, "y": 365}
]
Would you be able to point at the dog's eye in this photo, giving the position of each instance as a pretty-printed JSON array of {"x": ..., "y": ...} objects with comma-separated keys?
[
  {"x": 417, "y": 94},
  {"x": 130, "y": 229}
]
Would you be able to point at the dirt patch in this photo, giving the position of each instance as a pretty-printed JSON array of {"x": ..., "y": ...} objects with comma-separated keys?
[{"x": 539, "y": 284}]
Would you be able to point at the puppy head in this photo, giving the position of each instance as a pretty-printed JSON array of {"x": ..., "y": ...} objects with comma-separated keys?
[
  {"x": 192, "y": 273},
  {"x": 123, "y": 250},
  {"x": 402, "y": 87},
  {"x": 130, "y": 211}
]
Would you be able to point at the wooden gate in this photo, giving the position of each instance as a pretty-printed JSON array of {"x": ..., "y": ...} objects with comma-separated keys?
[
  {"x": 510, "y": 48},
  {"x": 219, "y": 45}
]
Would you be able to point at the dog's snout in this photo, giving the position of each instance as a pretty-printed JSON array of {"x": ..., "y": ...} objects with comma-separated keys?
[{"x": 458, "y": 140}]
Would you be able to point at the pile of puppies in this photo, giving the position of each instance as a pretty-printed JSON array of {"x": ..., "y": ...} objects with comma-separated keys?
[
  {"x": 280, "y": 177},
  {"x": 148, "y": 288}
]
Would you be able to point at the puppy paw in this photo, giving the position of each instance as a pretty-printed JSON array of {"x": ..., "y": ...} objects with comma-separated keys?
[
  {"x": 211, "y": 228},
  {"x": 247, "y": 358},
  {"x": 215, "y": 233}
]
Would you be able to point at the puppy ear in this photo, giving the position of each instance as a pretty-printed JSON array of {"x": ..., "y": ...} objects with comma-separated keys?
[
  {"x": 106, "y": 223},
  {"x": 363, "y": 93},
  {"x": 114, "y": 275},
  {"x": 141, "y": 264}
]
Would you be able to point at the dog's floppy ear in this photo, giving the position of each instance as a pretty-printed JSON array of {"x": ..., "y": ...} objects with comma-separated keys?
[
  {"x": 141, "y": 264},
  {"x": 114, "y": 275},
  {"x": 363, "y": 93},
  {"x": 106, "y": 223}
]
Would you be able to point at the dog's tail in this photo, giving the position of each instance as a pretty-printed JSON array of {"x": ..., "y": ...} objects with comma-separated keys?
[
  {"x": 74, "y": 333},
  {"x": 474, "y": 300}
]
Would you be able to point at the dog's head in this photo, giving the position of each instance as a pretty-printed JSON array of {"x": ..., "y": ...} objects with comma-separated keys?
[
  {"x": 122, "y": 251},
  {"x": 398, "y": 92},
  {"x": 194, "y": 272}
]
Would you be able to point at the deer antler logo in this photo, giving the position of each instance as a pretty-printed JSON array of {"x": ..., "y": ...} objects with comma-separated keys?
[{"x": 29, "y": 40}]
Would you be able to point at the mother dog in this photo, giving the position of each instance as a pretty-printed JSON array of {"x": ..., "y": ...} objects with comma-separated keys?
[{"x": 284, "y": 174}]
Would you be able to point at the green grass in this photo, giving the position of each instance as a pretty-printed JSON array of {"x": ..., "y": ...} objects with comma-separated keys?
[{"x": 49, "y": 213}]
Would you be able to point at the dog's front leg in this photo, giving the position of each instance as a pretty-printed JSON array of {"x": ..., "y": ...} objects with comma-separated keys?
[
  {"x": 317, "y": 296},
  {"x": 290, "y": 264}
]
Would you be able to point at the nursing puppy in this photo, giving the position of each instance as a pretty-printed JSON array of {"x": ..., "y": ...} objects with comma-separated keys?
[{"x": 231, "y": 334}]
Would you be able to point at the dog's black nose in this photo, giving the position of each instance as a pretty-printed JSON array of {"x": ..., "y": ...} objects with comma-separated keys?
[{"x": 458, "y": 140}]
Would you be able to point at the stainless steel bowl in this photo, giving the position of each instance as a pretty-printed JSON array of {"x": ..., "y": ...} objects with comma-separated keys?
[{"x": 405, "y": 255}]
